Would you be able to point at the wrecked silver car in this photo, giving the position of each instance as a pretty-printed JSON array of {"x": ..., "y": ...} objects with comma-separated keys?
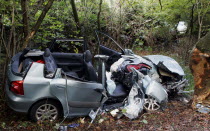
[{"x": 49, "y": 84}]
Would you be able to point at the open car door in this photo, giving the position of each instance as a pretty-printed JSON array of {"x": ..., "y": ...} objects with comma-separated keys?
[{"x": 108, "y": 46}]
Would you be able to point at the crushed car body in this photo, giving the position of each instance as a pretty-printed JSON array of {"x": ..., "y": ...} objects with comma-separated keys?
[{"x": 49, "y": 84}]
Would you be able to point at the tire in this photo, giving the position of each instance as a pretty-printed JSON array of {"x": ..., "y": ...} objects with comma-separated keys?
[{"x": 45, "y": 110}]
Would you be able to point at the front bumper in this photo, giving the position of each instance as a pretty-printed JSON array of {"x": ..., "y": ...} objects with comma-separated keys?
[{"x": 16, "y": 102}]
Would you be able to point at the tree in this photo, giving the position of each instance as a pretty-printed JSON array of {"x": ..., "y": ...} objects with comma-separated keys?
[
  {"x": 38, "y": 23},
  {"x": 202, "y": 9},
  {"x": 98, "y": 15},
  {"x": 75, "y": 14},
  {"x": 24, "y": 6},
  {"x": 200, "y": 67}
]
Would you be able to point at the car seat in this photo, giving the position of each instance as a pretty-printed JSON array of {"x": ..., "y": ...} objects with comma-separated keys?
[
  {"x": 50, "y": 63},
  {"x": 120, "y": 91},
  {"x": 89, "y": 69}
]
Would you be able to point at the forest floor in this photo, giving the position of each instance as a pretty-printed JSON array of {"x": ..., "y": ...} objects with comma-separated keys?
[{"x": 176, "y": 116}]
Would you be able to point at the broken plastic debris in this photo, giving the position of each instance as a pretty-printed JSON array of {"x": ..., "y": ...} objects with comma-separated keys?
[
  {"x": 203, "y": 109},
  {"x": 101, "y": 120},
  {"x": 92, "y": 114},
  {"x": 199, "y": 105},
  {"x": 57, "y": 126},
  {"x": 82, "y": 120},
  {"x": 145, "y": 121},
  {"x": 63, "y": 128},
  {"x": 114, "y": 112},
  {"x": 73, "y": 125}
]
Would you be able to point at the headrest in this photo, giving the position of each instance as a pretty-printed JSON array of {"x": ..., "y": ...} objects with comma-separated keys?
[
  {"x": 87, "y": 56},
  {"x": 47, "y": 52}
]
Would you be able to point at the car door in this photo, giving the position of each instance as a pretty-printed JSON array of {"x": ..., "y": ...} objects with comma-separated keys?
[{"x": 83, "y": 96}]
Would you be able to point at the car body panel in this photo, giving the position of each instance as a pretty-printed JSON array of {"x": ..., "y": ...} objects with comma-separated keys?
[
  {"x": 157, "y": 91},
  {"x": 36, "y": 87},
  {"x": 81, "y": 97},
  {"x": 12, "y": 76},
  {"x": 16, "y": 102},
  {"x": 167, "y": 63}
]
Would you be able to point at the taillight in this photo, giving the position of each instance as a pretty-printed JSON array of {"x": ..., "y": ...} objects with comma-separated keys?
[
  {"x": 41, "y": 61},
  {"x": 17, "y": 87}
]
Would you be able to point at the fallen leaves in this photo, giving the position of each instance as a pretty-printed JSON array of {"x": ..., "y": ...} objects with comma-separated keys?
[{"x": 177, "y": 116}]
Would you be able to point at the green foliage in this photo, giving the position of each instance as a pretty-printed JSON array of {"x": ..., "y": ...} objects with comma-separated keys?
[{"x": 144, "y": 23}]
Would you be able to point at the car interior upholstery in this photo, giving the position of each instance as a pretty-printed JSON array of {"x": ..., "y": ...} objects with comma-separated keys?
[{"x": 89, "y": 69}]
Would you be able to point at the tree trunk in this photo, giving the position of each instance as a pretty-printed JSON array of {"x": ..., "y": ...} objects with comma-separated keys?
[
  {"x": 192, "y": 20},
  {"x": 160, "y": 2},
  {"x": 200, "y": 67},
  {"x": 99, "y": 14},
  {"x": 76, "y": 18},
  {"x": 24, "y": 5},
  {"x": 38, "y": 23}
]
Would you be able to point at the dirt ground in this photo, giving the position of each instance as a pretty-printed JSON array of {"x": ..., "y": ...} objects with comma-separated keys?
[{"x": 177, "y": 116}]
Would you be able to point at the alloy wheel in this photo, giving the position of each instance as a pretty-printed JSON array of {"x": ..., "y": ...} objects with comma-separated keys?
[
  {"x": 47, "y": 112},
  {"x": 151, "y": 104}
]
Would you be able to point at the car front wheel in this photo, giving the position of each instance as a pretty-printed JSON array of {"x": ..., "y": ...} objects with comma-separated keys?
[{"x": 46, "y": 110}]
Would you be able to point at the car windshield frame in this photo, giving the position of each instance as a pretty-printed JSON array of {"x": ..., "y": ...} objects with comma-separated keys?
[{"x": 99, "y": 41}]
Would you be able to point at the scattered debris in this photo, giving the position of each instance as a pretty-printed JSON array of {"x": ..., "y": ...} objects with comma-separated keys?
[
  {"x": 65, "y": 128},
  {"x": 73, "y": 125},
  {"x": 57, "y": 126},
  {"x": 114, "y": 112},
  {"x": 82, "y": 120},
  {"x": 203, "y": 109},
  {"x": 101, "y": 120},
  {"x": 144, "y": 121}
]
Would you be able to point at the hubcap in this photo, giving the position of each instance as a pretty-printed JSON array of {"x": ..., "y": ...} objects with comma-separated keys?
[
  {"x": 151, "y": 104},
  {"x": 46, "y": 112}
]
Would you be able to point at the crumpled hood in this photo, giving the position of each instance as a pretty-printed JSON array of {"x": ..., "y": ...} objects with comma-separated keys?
[{"x": 167, "y": 62}]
